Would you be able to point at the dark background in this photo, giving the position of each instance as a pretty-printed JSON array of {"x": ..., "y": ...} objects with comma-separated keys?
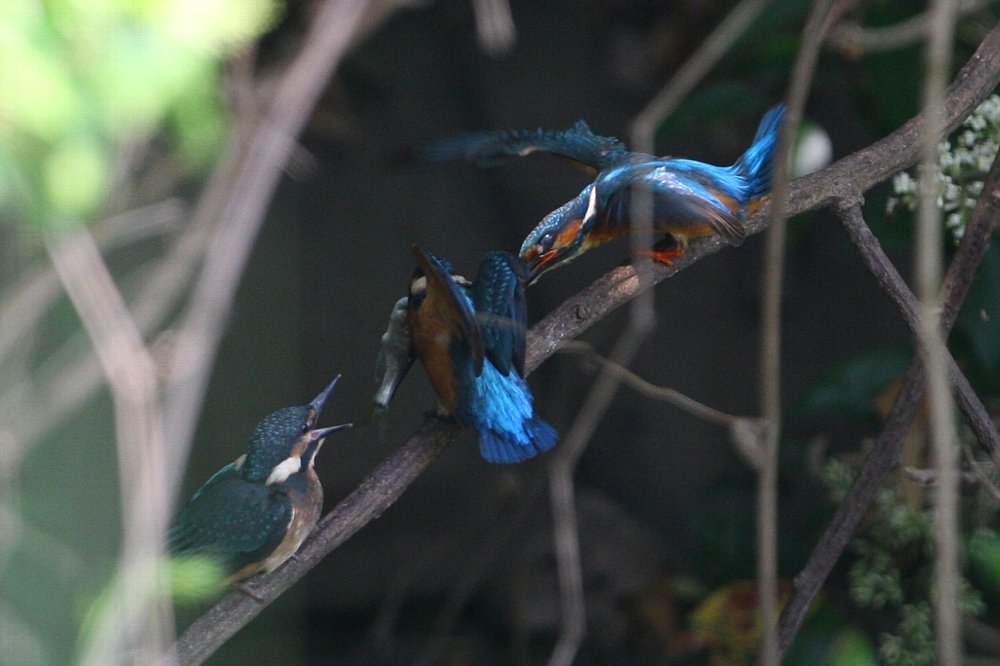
[{"x": 666, "y": 506}]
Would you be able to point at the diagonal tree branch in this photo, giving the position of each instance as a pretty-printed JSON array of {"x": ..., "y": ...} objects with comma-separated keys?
[
  {"x": 883, "y": 457},
  {"x": 855, "y": 173},
  {"x": 893, "y": 284}
]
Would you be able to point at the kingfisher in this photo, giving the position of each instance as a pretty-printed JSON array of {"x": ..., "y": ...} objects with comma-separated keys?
[
  {"x": 690, "y": 199},
  {"x": 470, "y": 337},
  {"x": 254, "y": 513}
]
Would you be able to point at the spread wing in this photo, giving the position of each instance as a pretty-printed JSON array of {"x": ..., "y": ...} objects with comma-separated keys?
[
  {"x": 232, "y": 519},
  {"x": 498, "y": 295},
  {"x": 577, "y": 144}
]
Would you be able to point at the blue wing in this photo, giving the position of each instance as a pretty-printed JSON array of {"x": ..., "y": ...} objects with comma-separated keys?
[
  {"x": 684, "y": 193},
  {"x": 498, "y": 295},
  {"x": 231, "y": 519},
  {"x": 577, "y": 144}
]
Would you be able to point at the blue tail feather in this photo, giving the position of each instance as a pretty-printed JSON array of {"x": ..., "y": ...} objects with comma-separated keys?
[
  {"x": 504, "y": 447},
  {"x": 756, "y": 163}
]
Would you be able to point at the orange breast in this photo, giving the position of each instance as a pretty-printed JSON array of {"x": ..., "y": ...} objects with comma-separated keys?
[
  {"x": 688, "y": 230},
  {"x": 308, "y": 507},
  {"x": 432, "y": 337}
]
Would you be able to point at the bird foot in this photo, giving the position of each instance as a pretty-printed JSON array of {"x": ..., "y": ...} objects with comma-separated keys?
[{"x": 664, "y": 257}]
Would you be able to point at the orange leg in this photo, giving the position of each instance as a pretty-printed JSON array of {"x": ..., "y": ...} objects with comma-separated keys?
[{"x": 664, "y": 255}]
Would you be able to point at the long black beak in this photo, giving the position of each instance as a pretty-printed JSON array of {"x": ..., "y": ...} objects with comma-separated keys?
[{"x": 317, "y": 403}]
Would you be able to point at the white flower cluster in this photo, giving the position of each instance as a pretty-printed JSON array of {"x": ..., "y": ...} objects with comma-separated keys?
[{"x": 964, "y": 159}]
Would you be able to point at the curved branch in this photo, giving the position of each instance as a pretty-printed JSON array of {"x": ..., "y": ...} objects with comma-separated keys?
[{"x": 845, "y": 179}]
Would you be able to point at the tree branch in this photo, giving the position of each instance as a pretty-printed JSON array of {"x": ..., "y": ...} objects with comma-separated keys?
[
  {"x": 135, "y": 617},
  {"x": 893, "y": 284},
  {"x": 854, "y": 39}
]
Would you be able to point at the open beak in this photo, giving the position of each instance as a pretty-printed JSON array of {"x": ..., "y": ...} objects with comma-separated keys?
[
  {"x": 320, "y": 433},
  {"x": 314, "y": 441},
  {"x": 537, "y": 262}
]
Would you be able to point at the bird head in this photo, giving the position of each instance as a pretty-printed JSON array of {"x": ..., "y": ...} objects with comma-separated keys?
[
  {"x": 560, "y": 236},
  {"x": 286, "y": 441}
]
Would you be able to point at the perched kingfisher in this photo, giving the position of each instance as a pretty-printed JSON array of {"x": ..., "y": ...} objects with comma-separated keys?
[
  {"x": 254, "y": 513},
  {"x": 470, "y": 337},
  {"x": 689, "y": 198}
]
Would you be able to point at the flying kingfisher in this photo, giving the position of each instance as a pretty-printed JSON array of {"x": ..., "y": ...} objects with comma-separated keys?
[
  {"x": 254, "y": 513},
  {"x": 689, "y": 198},
  {"x": 470, "y": 337}
]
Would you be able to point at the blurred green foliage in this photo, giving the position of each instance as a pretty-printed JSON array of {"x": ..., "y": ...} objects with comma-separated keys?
[
  {"x": 891, "y": 569},
  {"x": 84, "y": 80}
]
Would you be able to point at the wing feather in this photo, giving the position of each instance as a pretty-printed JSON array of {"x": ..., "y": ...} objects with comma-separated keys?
[{"x": 498, "y": 295}]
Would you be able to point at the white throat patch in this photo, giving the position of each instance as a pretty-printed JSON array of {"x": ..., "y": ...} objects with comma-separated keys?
[
  {"x": 283, "y": 470},
  {"x": 591, "y": 205}
]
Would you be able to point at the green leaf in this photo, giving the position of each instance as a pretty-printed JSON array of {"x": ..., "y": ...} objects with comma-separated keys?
[
  {"x": 195, "y": 578},
  {"x": 851, "y": 648},
  {"x": 76, "y": 177}
]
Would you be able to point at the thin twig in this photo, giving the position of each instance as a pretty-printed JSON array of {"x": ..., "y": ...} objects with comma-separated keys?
[
  {"x": 744, "y": 431},
  {"x": 928, "y": 242},
  {"x": 770, "y": 341},
  {"x": 928, "y": 476},
  {"x": 26, "y": 302},
  {"x": 981, "y": 477},
  {"x": 694, "y": 69},
  {"x": 854, "y": 39},
  {"x": 664, "y": 393},
  {"x": 566, "y": 539},
  {"x": 495, "y": 26},
  {"x": 135, "y": 618}
]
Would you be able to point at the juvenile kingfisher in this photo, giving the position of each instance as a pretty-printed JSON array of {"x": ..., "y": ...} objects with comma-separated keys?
[
  {"x": 254, "y": 513},
  {"x": 689, "y": 198},
  {"x": 470, "y": 337}
]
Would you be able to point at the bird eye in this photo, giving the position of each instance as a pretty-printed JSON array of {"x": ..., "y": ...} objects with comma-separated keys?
[{"x": 547, "y": 239}]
